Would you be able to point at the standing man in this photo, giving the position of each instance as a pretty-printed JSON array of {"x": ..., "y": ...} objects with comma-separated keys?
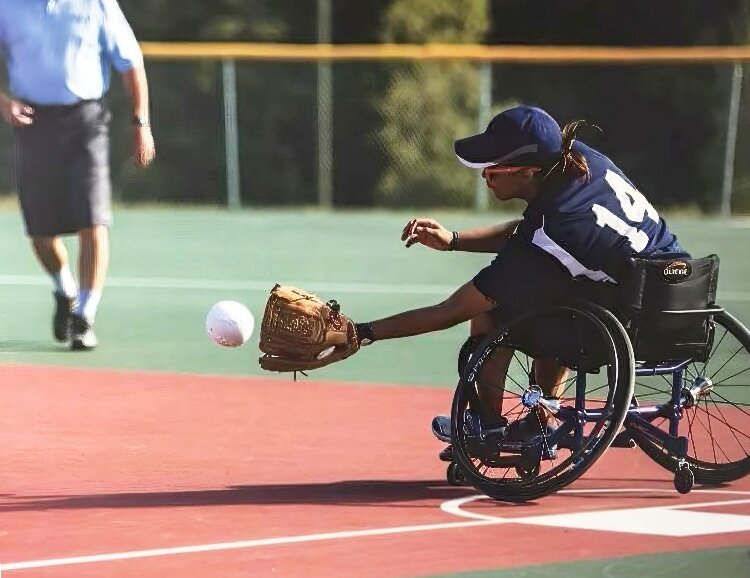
[{"x": 59, "y": 54}]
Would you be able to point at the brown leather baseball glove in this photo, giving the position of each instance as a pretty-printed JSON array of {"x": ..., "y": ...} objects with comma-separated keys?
[{"x": 300, "y": 332}]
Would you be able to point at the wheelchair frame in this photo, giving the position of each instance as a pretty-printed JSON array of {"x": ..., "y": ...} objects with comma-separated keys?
[{"x": 637, "y": 420}]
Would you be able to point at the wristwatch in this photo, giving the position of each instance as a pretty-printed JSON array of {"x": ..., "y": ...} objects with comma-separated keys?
[{"x": 140, "y": 121}]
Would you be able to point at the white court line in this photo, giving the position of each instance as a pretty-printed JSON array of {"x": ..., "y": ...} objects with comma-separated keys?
[
  {"x": 451, "y": 507},
  {"x": 454, "y": 507},
  {"x": 241, "y": 545},
  {"x": 237, "y": 285},
  {"x": 265, "y": 286}
]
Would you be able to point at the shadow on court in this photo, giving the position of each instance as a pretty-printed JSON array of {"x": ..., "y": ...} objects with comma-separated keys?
[
  {"x": 368, "y": 493},
  {"x": 352, "y": 493}
]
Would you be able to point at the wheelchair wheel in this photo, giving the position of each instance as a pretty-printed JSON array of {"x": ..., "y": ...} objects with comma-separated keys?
[
  {"x": 715, "y": 408},
  {"x": 582, "y": 420}
]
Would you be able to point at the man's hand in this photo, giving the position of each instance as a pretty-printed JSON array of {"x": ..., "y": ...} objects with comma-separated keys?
[
  {"x": 428, "y": 232},
  {"x": 16, "y": 113},
  {"x": 143, "y": 146}
]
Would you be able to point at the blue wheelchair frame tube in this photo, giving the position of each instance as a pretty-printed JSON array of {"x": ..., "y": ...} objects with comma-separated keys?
[{"x": 638, "y": 417}]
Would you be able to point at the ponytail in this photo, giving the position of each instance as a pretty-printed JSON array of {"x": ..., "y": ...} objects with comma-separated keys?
[{"x": 573, "y": 163}]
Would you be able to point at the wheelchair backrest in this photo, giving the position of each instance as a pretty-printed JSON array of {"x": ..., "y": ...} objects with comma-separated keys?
[{"x": 667, "y": 304}]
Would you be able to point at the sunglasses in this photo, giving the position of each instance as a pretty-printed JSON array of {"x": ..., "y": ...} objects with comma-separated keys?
[{"x": 489, "y": 171}]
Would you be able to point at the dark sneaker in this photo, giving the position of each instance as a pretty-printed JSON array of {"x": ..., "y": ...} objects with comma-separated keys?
[
  {"x": 529, "y": 429},
  {"x": 481, "y": 436},
  {"x": 441, "y": 428},
  {"x": 446, "y": 454},
  {"x": 61, "y": 321},
  {"x": 83, "y": 337}
]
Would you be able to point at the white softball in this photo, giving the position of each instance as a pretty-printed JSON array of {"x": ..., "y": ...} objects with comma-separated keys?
[{"x": 229, "y": 323}]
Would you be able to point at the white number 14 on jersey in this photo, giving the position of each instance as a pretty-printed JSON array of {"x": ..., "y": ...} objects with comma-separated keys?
[{"x": 634, "y": 205}]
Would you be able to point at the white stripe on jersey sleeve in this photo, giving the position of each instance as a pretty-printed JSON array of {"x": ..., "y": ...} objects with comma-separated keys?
[{"x": 576, "y": 269}]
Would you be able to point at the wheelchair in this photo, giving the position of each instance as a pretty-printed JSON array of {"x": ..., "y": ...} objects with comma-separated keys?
[{"x": 659, "y": 366}]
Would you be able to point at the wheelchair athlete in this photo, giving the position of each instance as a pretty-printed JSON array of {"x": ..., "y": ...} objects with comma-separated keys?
[{"x": 584, "y": 220}]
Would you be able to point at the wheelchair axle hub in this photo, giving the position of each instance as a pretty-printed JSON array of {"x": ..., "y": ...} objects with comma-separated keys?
[
  {"x": 702, "y": 387},
  {"x": 534, "y": 397}
]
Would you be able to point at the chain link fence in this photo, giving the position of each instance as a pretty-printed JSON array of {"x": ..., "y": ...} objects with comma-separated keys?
[{"x": 379, "y": 133}]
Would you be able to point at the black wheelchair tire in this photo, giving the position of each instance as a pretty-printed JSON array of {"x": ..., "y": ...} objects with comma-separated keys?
[
  {"x": 527, "y": 488},
  {"x": 705, "y": 472}
]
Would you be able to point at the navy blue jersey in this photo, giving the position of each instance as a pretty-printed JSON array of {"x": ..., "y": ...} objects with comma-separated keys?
[{"x": 591, "y": 227}]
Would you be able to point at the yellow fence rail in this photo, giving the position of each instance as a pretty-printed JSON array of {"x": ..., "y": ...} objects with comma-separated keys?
[
  {"x": 323, "y": 55},
  {"x": 506, "y": 53}
]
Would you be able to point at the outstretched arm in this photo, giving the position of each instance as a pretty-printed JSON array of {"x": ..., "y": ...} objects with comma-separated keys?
[
  {"x": 467, "y": 302},
  {"x": 432, "y": 234}
]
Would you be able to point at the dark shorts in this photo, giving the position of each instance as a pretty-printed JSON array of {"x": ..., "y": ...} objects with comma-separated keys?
[{"x": 62, "y": 169}]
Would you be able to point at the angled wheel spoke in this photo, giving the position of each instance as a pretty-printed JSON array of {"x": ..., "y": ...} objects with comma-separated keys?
[
  {"x": 717, "y": 394},
  {"x": 710, "y": 429},
  {"x": 737, "y": 404},
  {"x": 733, "y": 430},
  {"x": 715, "y": 349},
  {"x": 714, "y": 443},
  {"x": 723, "y": 365},
  {"x": 731, "y": 376},
  {"x": 511, "y": 410},
  {"x": 656, "y": 390},
  {"x": 508, "y": 375},
  {"x": 729, "y": 426},
  {"x": 691, "y": 419},
  {"x": 570, "y": 381},
  {"x": 523, "y": 363}
]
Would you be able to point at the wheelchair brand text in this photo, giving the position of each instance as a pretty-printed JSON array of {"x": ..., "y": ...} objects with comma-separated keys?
[{"x": 676, "y": 271}]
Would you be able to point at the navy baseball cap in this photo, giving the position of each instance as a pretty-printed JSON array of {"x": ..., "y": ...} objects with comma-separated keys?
[{"x": 524, "y": 135}]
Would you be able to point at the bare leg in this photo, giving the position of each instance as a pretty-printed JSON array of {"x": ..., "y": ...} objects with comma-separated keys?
[
  {"x": 491, "y": 382},
  {"x": 551, "y": 377},
  {"x": 94, "y": 257},
  {"x": 549, "y": 374},
  {"x": 93, "y": 261},
  {"x": 51, "y": 253},
  {"x": 53, "y": 256}
]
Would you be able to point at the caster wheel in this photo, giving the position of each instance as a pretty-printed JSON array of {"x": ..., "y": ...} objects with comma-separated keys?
[
  {"x": 684, "y": 479},
  {"x": 454, "y": 475}
]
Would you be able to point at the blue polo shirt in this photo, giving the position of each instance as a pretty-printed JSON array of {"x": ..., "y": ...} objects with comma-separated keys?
[{"x": 62, "y": 51}]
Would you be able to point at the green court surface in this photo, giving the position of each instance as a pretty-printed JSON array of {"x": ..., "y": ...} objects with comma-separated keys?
[
  {"x": 169, "y": 265},
  {"x": 725, "y": 562}
]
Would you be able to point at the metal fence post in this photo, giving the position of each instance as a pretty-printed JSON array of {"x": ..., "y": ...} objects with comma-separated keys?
[
  {"x": 483, "y": 117},
  {"x": 231, "y": 138},
  {"x": 325, "y": 109},
  {"x": 731, "y": 143},
  {"x": 325, "y": 136}
]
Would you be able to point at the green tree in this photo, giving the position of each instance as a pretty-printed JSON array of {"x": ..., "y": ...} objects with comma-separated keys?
[{"x": 427, "y": 105}]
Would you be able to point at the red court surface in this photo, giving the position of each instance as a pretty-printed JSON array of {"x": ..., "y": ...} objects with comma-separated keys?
[{"x": 135, "y": 474}]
